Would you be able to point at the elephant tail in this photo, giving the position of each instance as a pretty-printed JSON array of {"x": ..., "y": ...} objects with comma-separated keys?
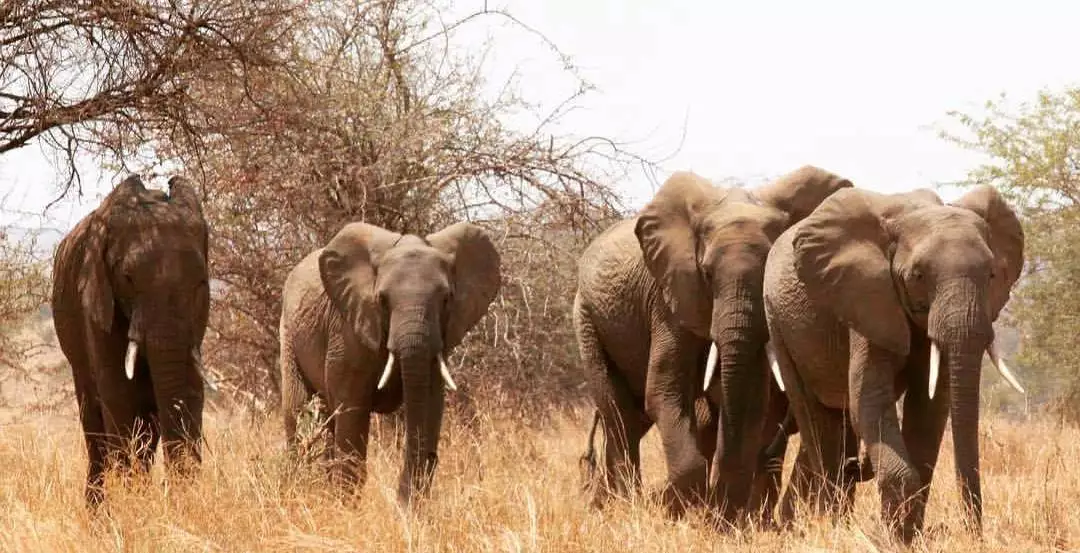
[{"x": 588, "y": 460}]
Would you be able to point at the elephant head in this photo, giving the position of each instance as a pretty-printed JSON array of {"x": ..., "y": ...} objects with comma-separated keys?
[
  {"x": 146, "y": 270},
  {"x": 706, "y": 248},
  {"x": 889, "y": 266},
  {"x": 414, "y": 298}
]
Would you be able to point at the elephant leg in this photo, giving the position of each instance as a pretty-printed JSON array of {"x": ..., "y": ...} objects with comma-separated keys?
[
  {"x": 871, "y": 383},
  {"x": 352, "y": 428},
  {"x": 349, "y": 406},
  {"x": 295, "y": 396},
  {"x": 181, "y": 420},
  {"x": 622, "y": 453},
  {"x": 708, "y": 422},
  {"x": 93, "y": 427},
  {"x": 669, "y": 400},
  {"x": 797, "y": 487},
  {"x": 119, "y": 400},
  {"x": 817, "y": 478},
  {"x": 826, "y": 444},
  {"x": 621, "y": 419},
  {"x": 769, "y": 472},
  {"x": 924, "y": 424},
  {"x": 147, "y": 426}
]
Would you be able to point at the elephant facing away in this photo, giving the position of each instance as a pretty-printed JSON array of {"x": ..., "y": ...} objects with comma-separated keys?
[
  {"x": 366, "y": 324},
  {"x": 875, "y": 295},
  {"x": 654, "y": 292},
  {"x": 130, "y": 302}
]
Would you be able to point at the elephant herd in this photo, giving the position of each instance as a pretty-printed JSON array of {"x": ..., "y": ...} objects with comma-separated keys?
[{"x": 729, "y": 318}]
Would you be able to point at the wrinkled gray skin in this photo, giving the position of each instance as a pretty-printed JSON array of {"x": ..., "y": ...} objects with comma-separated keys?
[
  {"x": 369, "y": 293},
  {"x": 135, "y": 270},
  {"x": 855, "y": 294},
  {"x": 653, "y": 292}
]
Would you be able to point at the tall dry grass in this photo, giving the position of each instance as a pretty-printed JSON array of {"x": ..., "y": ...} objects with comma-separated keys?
[{"x": 498, "y": 488}]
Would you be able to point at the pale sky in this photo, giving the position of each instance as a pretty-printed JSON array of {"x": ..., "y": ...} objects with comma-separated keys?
[{"x": 762, "y": 86}]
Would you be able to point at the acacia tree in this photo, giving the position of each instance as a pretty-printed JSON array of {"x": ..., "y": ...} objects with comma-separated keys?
[
  {"x": 1034, "y": 160},
  {"x": 374, "y": 116}
]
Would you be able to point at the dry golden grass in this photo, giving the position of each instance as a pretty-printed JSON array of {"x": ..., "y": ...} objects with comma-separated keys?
[{"x": 498, "y": 488}]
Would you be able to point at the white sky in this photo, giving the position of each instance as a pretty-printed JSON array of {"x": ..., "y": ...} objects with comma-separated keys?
[{"x": 762, "y": 86}]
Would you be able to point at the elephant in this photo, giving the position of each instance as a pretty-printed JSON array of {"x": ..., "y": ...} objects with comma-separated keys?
[
  {"x": 664, "y": 298},
  {"x": 366, "y": 325},
  {"x": 874, "y": 296},
  {"x": 130, "y": 302}
]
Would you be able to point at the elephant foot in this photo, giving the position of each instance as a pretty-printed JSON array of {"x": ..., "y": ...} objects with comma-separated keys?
[
  {"x": 95, "y": 497},
  {"x": 903, "y": 514},
  {"x": 587, "y": 471},
  {"x": 858, "y": 470},
  {"x": 598, "y": 497},
  {"x": 678, "y": 498}
]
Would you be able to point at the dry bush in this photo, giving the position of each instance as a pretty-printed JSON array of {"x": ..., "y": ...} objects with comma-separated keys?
[
  {"x": 24, "y": 286},
  {"x": 499, "y": 487}
]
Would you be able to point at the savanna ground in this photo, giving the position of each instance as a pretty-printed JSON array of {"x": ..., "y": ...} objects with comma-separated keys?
[{"x": 499, "y": 487}]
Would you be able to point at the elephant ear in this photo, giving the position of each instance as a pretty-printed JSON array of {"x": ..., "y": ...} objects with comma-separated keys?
[
  {"x": 842, "y": 256},
  {"x": 800, "y": 192},
  {"x": 476, "y": 279},
  {"x": 182, "y": 193},
  {"x": 347, "y": 266},
  {"x": 1006, "y": 238},
  {"x": 668, "y": 231},
  {"x": 95, "y": 289}
]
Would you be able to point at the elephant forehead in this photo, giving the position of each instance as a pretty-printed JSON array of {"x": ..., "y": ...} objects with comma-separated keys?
[
  {"x": 414, "y": 253},
  {"x": 942, "y": 223},
  {"x": 743, "y": 222},
  {"x": 413, "y": 263},
  {"x": 153, "y": 220},
  {"x": 949, "y": 242},
  {"x": 162, "y": 258}
]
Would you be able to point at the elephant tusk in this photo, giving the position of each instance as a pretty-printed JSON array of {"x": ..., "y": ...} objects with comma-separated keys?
[
  {"x": 710, "y": 365},
  {"x": 129, "y": 359},
  {"x": 774, "y": 365},
  {"x": 935, "y": 367},
  {"x": 387, "y": 371},
  {"x": 445, "y": 372},
  {"x": 1003, "y": 368}
]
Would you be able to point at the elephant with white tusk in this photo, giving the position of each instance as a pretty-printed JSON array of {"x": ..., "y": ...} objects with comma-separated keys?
[
  {"x": 131, "y": 297},
  {"x": 669, "y": 312},
  {"x": 366, "y": 324},
  {"x": 875, "y": 295}
]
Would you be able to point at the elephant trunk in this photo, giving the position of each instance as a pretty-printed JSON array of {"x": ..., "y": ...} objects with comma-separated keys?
[
  {"x": 962, "y": 329},
  {"x": 740, "y": 335},
  {"x": 964, "y": 372},
  {"x": 424, "y": 400},
  {"x": 179, "y": 395}
]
